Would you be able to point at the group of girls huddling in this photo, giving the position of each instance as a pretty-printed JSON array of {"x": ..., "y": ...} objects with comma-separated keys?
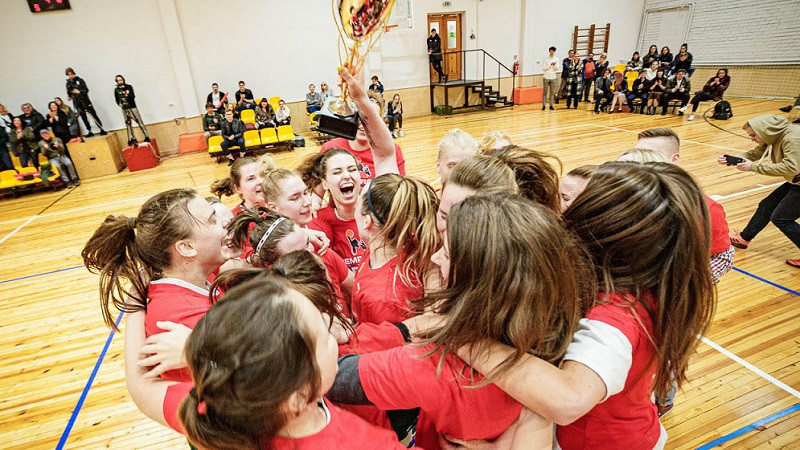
[{"x": 478, "y": 314}]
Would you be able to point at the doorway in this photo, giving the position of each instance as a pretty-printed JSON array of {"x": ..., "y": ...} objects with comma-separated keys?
[{"x": 448, "y": 27}]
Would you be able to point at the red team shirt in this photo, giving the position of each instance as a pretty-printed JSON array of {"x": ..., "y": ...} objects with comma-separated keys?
[
  {"x": 400, "y": 379},
  {"x": 366, "y": 164},
  {"x": 379, "y": 295},
  {"x": 616, "y": 345},
  {"x": 343, "y": 235},
  {"x": 720, "y": 240},
  {"x": 337, "y": 272}
]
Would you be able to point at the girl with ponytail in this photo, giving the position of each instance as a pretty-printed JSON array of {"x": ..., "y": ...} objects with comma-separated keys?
[{"x": 244, "y": 181}]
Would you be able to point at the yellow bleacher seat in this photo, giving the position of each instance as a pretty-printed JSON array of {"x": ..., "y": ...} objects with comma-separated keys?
[
  {"x": 248, "y": 116},
  {"x": 274, "y": 102},
  {"x": 269, "y": 136},
  {"x": 285, "y": 133},
  {"x": 251, "y": 139},
  {"x": 215, "y": 145},
  {"x": 8, "y": 180},
  {"x": 619, "y": 68},
  {"x": 25, "y": 170},
  {"x": 631, "y": 76}
]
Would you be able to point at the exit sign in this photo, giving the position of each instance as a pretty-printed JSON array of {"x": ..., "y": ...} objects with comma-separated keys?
[{"x": 446, "y": 4}]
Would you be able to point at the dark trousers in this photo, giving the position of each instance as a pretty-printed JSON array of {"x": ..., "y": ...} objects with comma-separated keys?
[
  {"x": 227, "y": 144},
  {"x": 601, "y": 101},
  {"x": 562, "y": 90},
  {"x": 573, "y": 95},
  {"x": 781, "y": 207},
  {"x": 83, "y": 108},
  {"x": 701, "y": 96},
  {"x": 587, "y": 86},
  {"x": 642, "y": 96},
  {"x": 26, "y": 156},
  {"x": 395, "y": 119},
  {"x": 5, "y": 158},
  {"x": 437, "y": 66},
  {"x": 668, "y": 97}
]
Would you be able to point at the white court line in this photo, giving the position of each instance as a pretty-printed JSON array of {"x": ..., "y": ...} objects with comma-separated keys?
[
  {"x": 17, "y": 229},
  {"x": 760, "y": 187},
  {"x": 751, "y": 367},
  {"x": 83, "y": 208},
  {"x": 682, "y": 140}
]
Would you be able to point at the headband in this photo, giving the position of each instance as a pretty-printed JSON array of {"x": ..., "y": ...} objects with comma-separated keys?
[
  {"x": 372, "y": 208},
  {"x": 266, "y": 235}
]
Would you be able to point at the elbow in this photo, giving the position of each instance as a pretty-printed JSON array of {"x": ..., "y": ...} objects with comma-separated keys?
[{"x": 570, "y": 410}]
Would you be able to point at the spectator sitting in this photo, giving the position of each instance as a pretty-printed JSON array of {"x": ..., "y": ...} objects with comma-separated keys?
[
  {"x": 55, "y": 151},
  {"x": 652, "y": 55},
  {"x": 677, "y": 89},
  {"x": 212, "y": 122},
  {"x": 634, "y": 64},
  {"x": 620, "y": 91},
  {"x": 313, "y": 100},
  {"x": 244, "y": 98},
  {"x": 283, "y": 114},
  {"x": 395, "y": 114},
  {"x": 32, "y": 118},
  {"x": 685, "y": 50},
  {"x": 603, "y": 94},
  {"x": 588, "y": 71},
  {"x": 600, "y": 66},
  {"x": 325, "y": 92},
  {"x": 639, "y": 90},
  {"x": 5, "y": 158},
  {"x": 72, "y": 118},
  {"x": 233, "y": 135},
  {"x": 665, "y": 58},
  {"x": 265, "y": 116},
  {"x": 713, "y": 90},
  {"x": 681, "y": 62},
  {"x": 24, "y": 140},
  {"x": 651, "y": 71},
  {"x": 657, "y": 87},
  {"x": 217, "y": 98},
  {"x": 375, "y": 91}
]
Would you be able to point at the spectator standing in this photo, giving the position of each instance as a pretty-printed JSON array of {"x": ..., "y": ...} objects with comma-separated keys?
[
  {"x": 217, "y": 98},
  {"x": 565, "y": 63},
  {"x": 78, "y": 93},
  {"x": 574, "y": 81},
  {"x": 550, "y": 77},
  {"x": 55, "y": 151},
  {"x": 212, "y": 122},
  {"x": 126, "y": 99},
  {"x": 74, "y": 126},
  {"x": 435, "y": 54},
  {"x": 244, "y": 98},
  {"x": 59, "y": 122},
  {"x": 714, "y": 88},
  {"x": 5, "y": 157},
  {"x": 588, "y": 75}
]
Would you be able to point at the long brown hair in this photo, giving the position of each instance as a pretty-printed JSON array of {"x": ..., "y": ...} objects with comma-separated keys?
[
  {"x": 405, "y": 209},
  {"x": 227, "y": 186},
  {"x": 646, "y": 228},
  {"x": 483, "y": 174},
  {"x": 251, "y": 225},
  {"x": 313, "y": 169},
  {"x": 137, "y": 249},
  {"x": 536, "y": 178},
  {"x": 516, "y": 276},
  {"x": 253, "y": 335}
]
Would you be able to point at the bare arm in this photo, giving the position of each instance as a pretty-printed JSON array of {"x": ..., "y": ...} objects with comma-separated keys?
[
  {"x": 380, "y": 138},
  {"x": 147, "y": 393},
  {"x": 559, "y": 394}
]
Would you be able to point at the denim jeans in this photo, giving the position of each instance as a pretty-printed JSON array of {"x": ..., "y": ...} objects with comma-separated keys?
[{"x": 781, "y": 207}]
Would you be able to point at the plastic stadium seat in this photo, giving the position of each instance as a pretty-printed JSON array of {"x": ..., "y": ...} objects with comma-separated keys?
[
  {"x": 274, "y": 102},
  {"x": 619, "y": 68},
  {"x": 25, "y": 170},
  {"x": 215, "y": 145},
  {"x": 248, "y": 116},
  {"x": 269, "y": 136},
  {"x": 285, "y": 133},
  {"x": 7, "y": 179},
  {"x": 251, "y": 139}
]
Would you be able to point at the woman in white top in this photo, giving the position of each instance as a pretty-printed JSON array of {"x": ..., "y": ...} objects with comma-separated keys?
[{"x": 651, "y": 71}]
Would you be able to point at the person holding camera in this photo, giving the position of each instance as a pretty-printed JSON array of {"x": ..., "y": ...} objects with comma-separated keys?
[{"x": 777, "y": 154}]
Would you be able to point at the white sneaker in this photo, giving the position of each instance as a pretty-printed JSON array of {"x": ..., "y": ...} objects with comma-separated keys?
[
  {"x": 691, "y": 117},
  {"x": 394, "y": 134},
  {"x": 682, "y": 109},
  {"x": 401, "y": 133}
]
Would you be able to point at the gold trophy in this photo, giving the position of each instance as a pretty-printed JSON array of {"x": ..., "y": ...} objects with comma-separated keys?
[{"x": 360, "y": 24}]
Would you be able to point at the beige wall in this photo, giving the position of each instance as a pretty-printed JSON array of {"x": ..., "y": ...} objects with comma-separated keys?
[{"x": 755, "y": 81}]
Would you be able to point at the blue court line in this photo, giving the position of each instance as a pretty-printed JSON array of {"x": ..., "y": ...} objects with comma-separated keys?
[
  {"x": 40, "y": 274},
  {"x": 773, "y": 284},
  {"x": 751, "y": 427},
  {"x": 85, "y": 392}
]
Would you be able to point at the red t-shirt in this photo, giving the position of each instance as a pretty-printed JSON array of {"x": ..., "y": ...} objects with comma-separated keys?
[
  {"x": 372, "y": 337},
  {"x": 628, "y": 418},
  {"x": 344, "y": 430},
  {"x": 338, "y": 272},
  {"x": 400, "y": 379},
  {"x": 366, "y": 164},
  {"x": 343, "y": 235},
  {"x": 176, "y": 301},
  {"x": 247, "y": 249},
  {"x": 172, "y": 401},
  {"x": 380, "y": 295},
  {"x": 720, "y": 240}
]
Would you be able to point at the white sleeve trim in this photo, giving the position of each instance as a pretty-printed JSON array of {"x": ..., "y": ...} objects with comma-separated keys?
[{"x": 604, "y": 349}]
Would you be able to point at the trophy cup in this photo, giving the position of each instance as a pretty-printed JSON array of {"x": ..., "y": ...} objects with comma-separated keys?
[{"x": 360, "y": 24}]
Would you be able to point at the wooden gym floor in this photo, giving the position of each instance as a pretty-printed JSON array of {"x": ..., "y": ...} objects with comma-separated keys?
[{"x": 52, "y": 336}]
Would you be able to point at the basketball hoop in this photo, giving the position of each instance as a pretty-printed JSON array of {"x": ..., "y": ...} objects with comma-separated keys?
[{"x": 389, "y": 27}]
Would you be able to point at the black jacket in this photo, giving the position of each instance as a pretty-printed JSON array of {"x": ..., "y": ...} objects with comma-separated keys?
[
  {"x": 124, "y": 96},
  {"x": 435, "y": 46},
  {"x": 235, "y": 128},
  {"x": 60, "y": 127},
  {"x": 36, "y": 121},
  {"x": 77, "y": 83},
  {"x": 248, "y": 95}
]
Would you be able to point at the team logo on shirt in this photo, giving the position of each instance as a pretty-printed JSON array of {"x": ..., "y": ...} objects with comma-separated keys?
[
  {"x": 364, "y": 168},
  {"x": 354, "y": 242}
]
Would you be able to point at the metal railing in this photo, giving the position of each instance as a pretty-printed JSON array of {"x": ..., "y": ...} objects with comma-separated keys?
[{"x": 475, "y": 64}]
